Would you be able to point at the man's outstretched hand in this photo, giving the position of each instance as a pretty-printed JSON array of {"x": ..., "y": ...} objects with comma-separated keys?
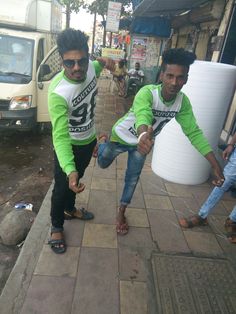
[
  {"x": 218, "y": 177},
  {"x": 145, "y": 141},
  {"x": 73, "y": 182}
]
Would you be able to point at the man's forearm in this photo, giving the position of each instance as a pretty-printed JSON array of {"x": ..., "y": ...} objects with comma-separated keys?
[{"x": 212, "y": 160}]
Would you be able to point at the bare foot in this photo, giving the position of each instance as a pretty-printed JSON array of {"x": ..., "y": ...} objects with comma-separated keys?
[{"x": 122, "y": 226}]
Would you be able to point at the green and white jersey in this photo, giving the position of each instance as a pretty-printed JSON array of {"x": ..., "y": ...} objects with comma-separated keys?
[
  {"x": 71, "y": 109},
  {"x": 149, "y": 108}
]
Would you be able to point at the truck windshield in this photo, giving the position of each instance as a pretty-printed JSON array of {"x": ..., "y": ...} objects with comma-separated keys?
[{"x": 15, "y": 59}]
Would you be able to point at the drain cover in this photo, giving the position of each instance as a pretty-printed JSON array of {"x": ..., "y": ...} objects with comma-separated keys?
[{"x": 194, "y": 285}]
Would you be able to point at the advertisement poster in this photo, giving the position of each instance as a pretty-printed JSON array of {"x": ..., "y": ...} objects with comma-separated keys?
[{"x": 139, "y": 48}]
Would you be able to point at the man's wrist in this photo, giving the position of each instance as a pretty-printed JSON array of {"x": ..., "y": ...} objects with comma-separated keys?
[{"x": 233, "y": 145}]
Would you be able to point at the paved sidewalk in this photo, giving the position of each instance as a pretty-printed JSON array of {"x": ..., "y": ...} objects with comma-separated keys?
[{"x": 156, "y": 268}]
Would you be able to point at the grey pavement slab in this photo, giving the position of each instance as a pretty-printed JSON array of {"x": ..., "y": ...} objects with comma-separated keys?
[
  {"x": 203, "y": 243},
  {"x": 97, "y": 283},
  {"x": 49, "y": 295},
  {"x": 166, "y": 231},
  {"x": 194, "y": 285},
  {"x": 103, "y": 205},
  {"x": 134, "y": 263},
  {"x": 134, "y": 299}
]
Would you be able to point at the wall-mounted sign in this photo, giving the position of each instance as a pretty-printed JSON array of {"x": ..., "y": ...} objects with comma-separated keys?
[{"x": 113, "y": 16}]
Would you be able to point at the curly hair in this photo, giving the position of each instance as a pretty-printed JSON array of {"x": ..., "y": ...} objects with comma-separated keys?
[
  {"x": 177, "y": 56},
  {"x": 71, "y": 39}
]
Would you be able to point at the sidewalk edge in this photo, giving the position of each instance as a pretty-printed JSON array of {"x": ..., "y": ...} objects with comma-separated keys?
[{"x": 15, "y": 289}]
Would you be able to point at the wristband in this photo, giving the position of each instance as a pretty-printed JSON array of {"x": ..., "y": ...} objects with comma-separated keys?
[
  {"x": 140, "y": 135},
  {"x": 233, "y": 145}
]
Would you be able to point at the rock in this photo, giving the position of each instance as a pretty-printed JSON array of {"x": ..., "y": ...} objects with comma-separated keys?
[{"x": 15, "y": 226}]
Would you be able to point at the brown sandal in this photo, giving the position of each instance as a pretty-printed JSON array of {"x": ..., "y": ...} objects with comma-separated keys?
[
  {"x": 230, "y": 227},
  {"x": 122, "y": 227},
  {"x": 193, "y": 221}
]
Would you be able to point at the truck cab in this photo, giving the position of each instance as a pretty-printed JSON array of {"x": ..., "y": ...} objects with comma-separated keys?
[{"x": 23, "y": 46}]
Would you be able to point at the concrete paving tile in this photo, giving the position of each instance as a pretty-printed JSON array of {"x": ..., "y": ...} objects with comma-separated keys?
[
  {"x": 203, "y": 243},
  {"x": 122, "y": 161},
  {"x": 82, "y": 198},
  {"x": 137, "y": 217},
  {"x": 97, "y": 287},
  {"x": 152, "y": 184},
  {"x": 227, "y": 196},
  {"x": 49, "y": 295},
  {"x": 133, "y": 297},
  {"x": 186, "y": 207},
  {"x": 229, "y": 249},
  {"x": 137, "y": 199},
  {"x": 229, "y": 205},
  {"x": 217, "y": 224},
  {"x": 120, "y": 174},
  {"x": 157, "y": 202},
  {"x": 175, "y": 189},
  {"x": 51, "y": 264},
  {"x": 103, "y": 205},
  {"x": 134, "y": 263},
  {"x": 136, "y": 238},
  {"x": 108, "y": 173},
  {"x": 99, "y": 235},
  {"x": 73, "y": 231},
  {"x": 103, "y": 184},
  {"x": 87, "y": 178},
  {"x": 166, "y": 231}
]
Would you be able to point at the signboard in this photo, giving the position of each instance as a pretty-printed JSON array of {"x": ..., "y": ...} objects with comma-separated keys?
[
  {"x": 115, "y": 54},
  {"x": 113, "y": 16}
]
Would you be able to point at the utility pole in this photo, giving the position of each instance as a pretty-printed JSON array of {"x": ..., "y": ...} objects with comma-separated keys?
[{"x": 94, "y": 30}]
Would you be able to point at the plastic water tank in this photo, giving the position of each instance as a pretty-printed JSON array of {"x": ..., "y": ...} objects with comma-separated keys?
[{"x": 210, "y": 88}]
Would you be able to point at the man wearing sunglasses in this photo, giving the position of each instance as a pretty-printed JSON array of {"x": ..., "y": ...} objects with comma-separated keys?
[{"x": 72, "y": 100}]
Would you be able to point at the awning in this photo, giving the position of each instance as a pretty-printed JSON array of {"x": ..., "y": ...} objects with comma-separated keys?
[{"x": 165, "y": 7}]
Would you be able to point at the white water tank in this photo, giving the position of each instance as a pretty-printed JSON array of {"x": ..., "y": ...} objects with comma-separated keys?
[{"x": 210, "y": 88}]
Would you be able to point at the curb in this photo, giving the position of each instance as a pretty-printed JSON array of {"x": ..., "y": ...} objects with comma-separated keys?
[{"x": 15, "y": 289}]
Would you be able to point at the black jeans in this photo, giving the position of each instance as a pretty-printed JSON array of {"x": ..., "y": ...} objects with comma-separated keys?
[{"x": 63, "y": 198}]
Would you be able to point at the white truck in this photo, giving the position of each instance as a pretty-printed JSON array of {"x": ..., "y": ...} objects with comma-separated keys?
[{"x": 28, "y": 31}]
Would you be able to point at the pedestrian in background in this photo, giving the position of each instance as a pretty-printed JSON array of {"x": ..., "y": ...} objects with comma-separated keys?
[
  {"x": 72, "y": 101},
  {"x": 230, "y": 179},
  {"x": 119, "y": 75}
]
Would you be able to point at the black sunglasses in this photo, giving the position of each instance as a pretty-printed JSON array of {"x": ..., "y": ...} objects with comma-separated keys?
[{"x": 71, "y": 63}]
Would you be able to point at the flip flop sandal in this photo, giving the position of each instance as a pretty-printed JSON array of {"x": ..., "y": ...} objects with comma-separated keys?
[
  {"x": 231, "y": 237},
  {"x": 193, "y": 221},
  {"x": 122, "y": 229},
  {"x": 230, "y": 226},
  {"x": 81, "y": 214},
  {"x": 58, "y": 245}
]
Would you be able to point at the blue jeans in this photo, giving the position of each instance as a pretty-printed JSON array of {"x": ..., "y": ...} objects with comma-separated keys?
[
  {"x": 108, "y": 151},
  {"x": 218, "y": 192}
]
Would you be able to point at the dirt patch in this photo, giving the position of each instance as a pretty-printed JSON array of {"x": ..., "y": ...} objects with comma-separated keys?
[{"x": 26, "y": 167}]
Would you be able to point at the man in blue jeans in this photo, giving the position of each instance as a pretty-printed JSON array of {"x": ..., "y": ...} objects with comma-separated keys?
[
  {"x": 230, "y": 178},
  {"x": 153, "y": 107}
]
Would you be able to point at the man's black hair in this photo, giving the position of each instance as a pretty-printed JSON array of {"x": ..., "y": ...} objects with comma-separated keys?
[
  {"x": 177, "y": 56},
  {"x": 71, "y": 39}
]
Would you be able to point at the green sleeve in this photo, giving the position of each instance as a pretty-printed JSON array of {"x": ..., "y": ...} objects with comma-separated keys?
[
  {"x": 60, "y": 133},
  {"x": 187, "y": 121},
  {"x": 142, "y": 107},
  {"x": 98, "y": 68}
]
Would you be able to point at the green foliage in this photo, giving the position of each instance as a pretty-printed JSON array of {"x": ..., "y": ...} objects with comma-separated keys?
[
  {"x": 72, "y": 5},
  {"x": 100, "y": 7}
]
